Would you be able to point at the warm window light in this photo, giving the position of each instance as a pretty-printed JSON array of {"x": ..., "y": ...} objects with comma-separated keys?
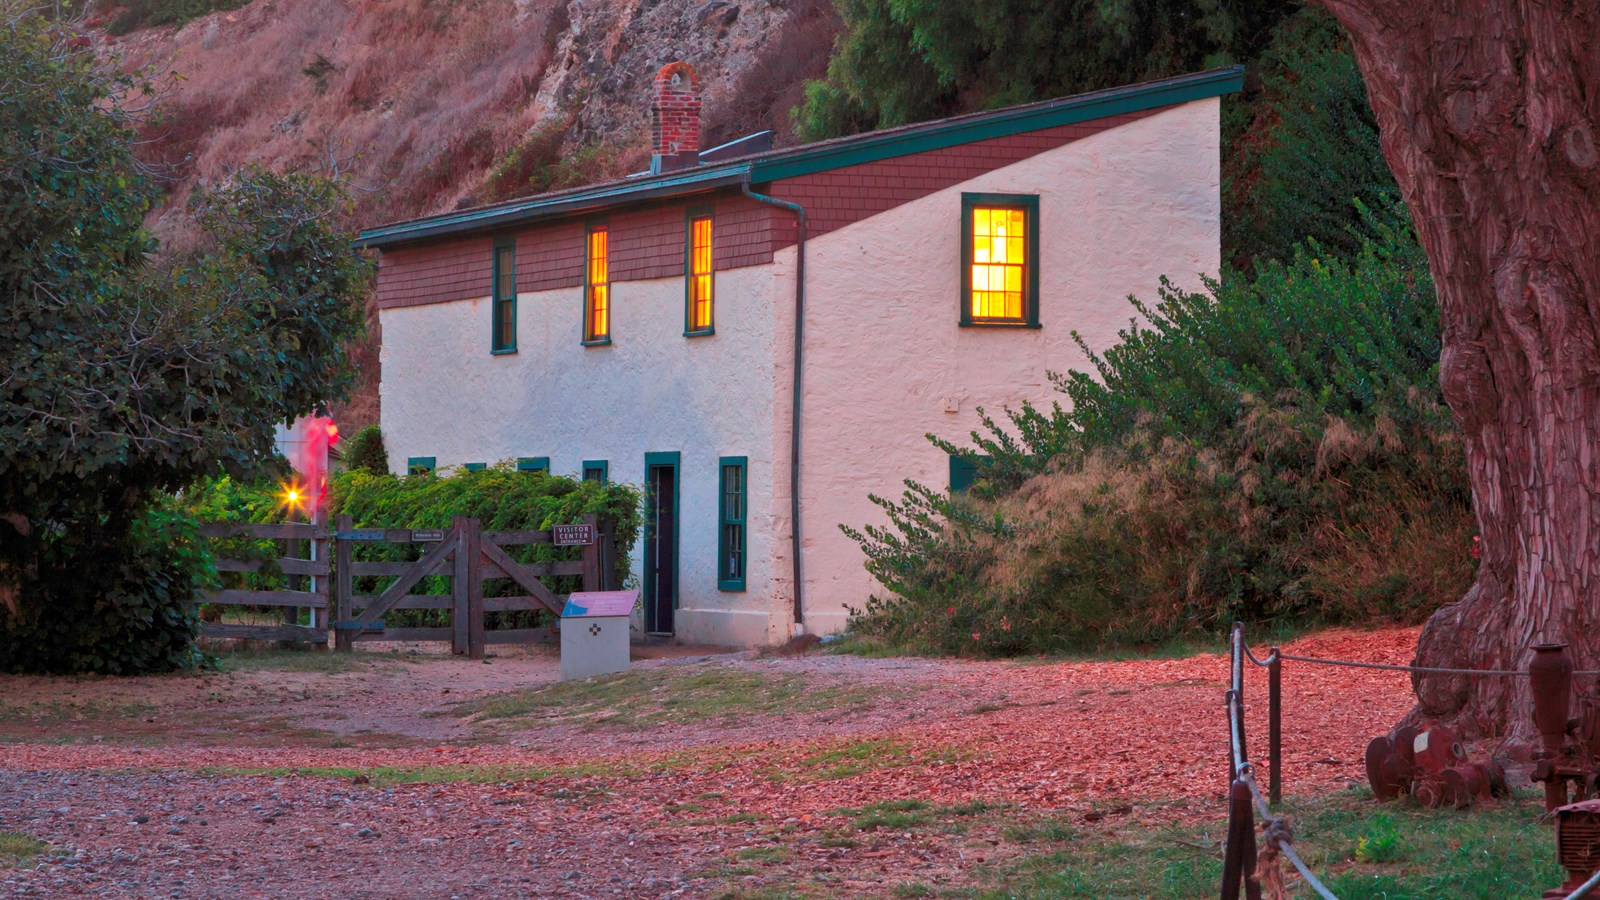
[
  {"x": 599, "y": 311},
  {"x": 999, "y": 262},
  {"x": 700, "y": 274}
]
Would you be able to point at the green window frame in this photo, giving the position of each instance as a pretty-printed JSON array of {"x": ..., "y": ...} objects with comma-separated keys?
[
  {"x": 733, "y": 513},
  {"x": 503, "y": 306},
  {"x": 973, "y": 257},
  {"x": 964, "y": 472},
  {"x": 420, "y": 465},
  {"x": 699, "y": 273},
  {"x": 476, "y": 467},
  {"x": 597, "y": 470},
  {"x": 597, "y": 299},
  {"x": 533, "y": 464}
]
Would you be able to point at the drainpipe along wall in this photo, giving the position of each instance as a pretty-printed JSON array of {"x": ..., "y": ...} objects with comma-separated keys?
[{"x": 794, "y": 425}]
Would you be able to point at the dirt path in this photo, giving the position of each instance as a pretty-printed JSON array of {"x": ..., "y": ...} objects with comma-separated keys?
[{"x": 310, "y": 775}]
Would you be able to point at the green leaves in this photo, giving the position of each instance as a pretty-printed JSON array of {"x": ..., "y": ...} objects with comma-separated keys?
[{"x": 122, "y": 374}]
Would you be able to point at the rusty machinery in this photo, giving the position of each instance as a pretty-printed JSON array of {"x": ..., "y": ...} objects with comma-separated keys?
[
  {"x": 1577, "y": 845},
  {"x": 1569, "y": 749},
  {"x": 1430, "y": 765}
]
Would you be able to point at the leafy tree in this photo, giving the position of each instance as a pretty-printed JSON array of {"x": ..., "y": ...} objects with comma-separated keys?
[
  {"x": 123, "y": 374},
  {"x": 900, "y": 61},
  {"x": 367, "y": 453},
  {"x": 1302, "y": 148},
  {"x": 1487, "y": 110}
]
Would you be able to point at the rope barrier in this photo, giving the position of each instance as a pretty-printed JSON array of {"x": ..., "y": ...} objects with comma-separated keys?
[{"x": 1389, "y": 667}]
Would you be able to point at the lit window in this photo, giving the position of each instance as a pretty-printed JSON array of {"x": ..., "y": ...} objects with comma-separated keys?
[
  {"x": 503, "y": 336},
  {"x": 698, "y": 275},
  {"x": 1000, "y": 246},
  {"x": 597, "y": 470},
  {"x": 597, "y": 290},
  {"x": 731, "y": 533}
]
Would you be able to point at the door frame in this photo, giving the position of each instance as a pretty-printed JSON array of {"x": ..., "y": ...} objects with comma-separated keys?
[{"x": 663, "y": 460}]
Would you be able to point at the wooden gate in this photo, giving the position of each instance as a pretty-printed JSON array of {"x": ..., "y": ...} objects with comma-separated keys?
[
  {"x": 467, "y": 556},
  {"x": 289, "y": 539}
]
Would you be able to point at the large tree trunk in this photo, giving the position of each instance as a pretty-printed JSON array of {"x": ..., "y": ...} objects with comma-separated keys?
[{"x": 1488, "y": 112}]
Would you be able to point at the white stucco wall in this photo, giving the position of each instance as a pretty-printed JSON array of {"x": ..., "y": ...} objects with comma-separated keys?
[
  {"x": 444, "y": 395},
  {"x": 886, "y": 361}
]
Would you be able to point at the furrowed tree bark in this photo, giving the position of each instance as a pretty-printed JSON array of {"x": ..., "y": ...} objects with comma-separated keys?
[{"x": 1488, "y": 111}]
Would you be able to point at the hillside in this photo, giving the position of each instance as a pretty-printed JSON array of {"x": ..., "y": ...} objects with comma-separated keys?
[{"x": 427, "y": 105}]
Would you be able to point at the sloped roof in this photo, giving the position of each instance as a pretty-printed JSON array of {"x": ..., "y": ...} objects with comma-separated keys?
[{"x": 805, "y": 159}]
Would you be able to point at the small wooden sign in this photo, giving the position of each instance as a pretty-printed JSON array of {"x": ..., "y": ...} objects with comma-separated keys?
[
  {"x": 427, "y": 534},
  {"x": 580, "y": 535}
]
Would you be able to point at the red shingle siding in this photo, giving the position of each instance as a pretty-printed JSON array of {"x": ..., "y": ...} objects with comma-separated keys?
[
  {"x": 647, "y": 241},
  {"x": 550, "y": 257},
  {"x": 435, "y": 273},
  {"x": 839, "y": 197}
]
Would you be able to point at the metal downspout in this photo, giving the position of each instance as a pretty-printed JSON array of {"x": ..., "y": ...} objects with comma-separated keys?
[{"x": 799, "y": 344}]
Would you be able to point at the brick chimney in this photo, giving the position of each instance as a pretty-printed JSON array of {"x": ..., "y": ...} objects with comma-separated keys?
[{"x": 675, "y": 118}]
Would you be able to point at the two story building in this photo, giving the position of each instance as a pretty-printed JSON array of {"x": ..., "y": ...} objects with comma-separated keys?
[{"x": 763, "y": 337}]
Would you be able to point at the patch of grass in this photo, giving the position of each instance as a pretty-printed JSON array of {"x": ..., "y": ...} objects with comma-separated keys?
[
  {"x": 913, "y": 889},
  {"x": 762, "y": 854},
  {"x": 18, "y": 849},
  {"x": 853, "y": 758},
  {"x": 1042, "y": 831},
  {"x": 642, "y": 699},
  {"x": 306, "y": 660},
  {"x": 1485, "y": 853},
  {"x": 383, "y": 776}
]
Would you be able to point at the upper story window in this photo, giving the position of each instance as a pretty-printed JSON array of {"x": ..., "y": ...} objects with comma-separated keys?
[
  {"x": 1000, "y": 259},
  {"x": 597, "y": 289},
  {"x": 697, "y": 269},
  {"x": 503, "y": 330},
  {"x": 597, "y": 470}
]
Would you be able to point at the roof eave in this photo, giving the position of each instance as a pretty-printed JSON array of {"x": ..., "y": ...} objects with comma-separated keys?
[
  {"x": 1004, "y": 123},
  {"x": 576, "y": 203}
]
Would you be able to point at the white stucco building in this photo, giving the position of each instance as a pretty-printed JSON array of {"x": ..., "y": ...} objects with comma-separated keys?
[{"x": 660, "y": 329}]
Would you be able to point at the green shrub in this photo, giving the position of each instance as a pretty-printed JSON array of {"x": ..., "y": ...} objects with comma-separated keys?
[
  {"x": 502, "y": 499},
  {"x": 366, "y": 452},
  {"x": 112, "y": 602},
  {"x": 1272, "y": 450}
]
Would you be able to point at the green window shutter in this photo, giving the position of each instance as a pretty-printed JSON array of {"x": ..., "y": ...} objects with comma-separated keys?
[
  {"x": 1028, "y": 315},
  {"x": 964, "y": 472},
  {"x": 733, "y": 509},
  {"x": 420, "y": 465},
  {"x": 533, "y": 464},
  {"x": 476, "y": 467},
  {"x": 503, "y": 307},
  {"x": 597, "y": 470}
]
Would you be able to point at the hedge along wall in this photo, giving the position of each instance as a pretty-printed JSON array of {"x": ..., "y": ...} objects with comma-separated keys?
[{"x": 502, "y": 499}]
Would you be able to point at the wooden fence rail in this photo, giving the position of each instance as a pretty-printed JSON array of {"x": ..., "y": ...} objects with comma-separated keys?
[{"x": 463, "y": 553}]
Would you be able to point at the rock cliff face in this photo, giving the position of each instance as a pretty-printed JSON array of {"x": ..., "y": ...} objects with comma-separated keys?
[
  {"x": 415, "y": 102},
  {"x": 418, "y": 104}
]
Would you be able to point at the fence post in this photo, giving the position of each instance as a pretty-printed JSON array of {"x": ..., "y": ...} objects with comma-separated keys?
[
  {"x": 320, "y": 583},
  {"x": 1275, "y": 727},
  {"x": 591, "y": 557},
  {"x": 1239, "y": 855},
  {"x": 476, "y": 626},
  {"x": 459, "y": 636},
  {"x": 344, "y": 587},
  {"x": 607, "y": 542}
]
